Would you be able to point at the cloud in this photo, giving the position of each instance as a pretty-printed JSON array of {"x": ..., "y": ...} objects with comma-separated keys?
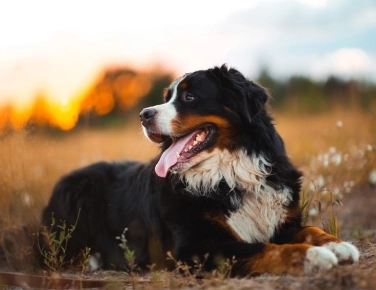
[
  {"x": 60, "y": 47},
  {"x": 344, "y": 62},
  {"x": 349, "y": 60},
  {"x": 296, "y": 37}
]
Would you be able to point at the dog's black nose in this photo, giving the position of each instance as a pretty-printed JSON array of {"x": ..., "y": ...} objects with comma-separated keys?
[{"x": 147, "y": 115}]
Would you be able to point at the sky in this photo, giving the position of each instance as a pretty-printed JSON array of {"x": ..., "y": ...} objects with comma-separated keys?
[{"x": 58, "y": 48}]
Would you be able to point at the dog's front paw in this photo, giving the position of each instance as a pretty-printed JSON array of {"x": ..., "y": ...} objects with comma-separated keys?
[
  {"x": 319, "y": 259},
  {"x": 344, "y": 251}
]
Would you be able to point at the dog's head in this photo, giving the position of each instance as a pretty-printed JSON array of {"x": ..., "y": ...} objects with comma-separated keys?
[{"x": 210, "y": 120}]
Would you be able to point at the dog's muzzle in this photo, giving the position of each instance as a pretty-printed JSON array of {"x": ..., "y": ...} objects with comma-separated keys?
[{"x": 147, "y": 116}]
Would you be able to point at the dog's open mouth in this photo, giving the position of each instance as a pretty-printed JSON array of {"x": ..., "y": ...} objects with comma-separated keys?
[{"x": 183, "y": 149}]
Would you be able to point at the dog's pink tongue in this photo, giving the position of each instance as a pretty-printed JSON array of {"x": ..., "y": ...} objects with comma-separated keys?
[{"x": 169, "y": 157}]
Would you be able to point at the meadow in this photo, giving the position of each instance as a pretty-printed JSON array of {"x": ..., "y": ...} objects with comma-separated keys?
[{"x": 336, "y": 151}]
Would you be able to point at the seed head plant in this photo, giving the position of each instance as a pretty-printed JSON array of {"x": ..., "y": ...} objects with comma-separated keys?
[
  {"x": 129, "y": 255},
  {"x": 55, "y": 242}
]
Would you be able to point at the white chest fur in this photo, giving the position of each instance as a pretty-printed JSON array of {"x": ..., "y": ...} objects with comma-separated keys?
[
  {"x": 262, "y": 208},
  {"x": 258, "y": 217}
]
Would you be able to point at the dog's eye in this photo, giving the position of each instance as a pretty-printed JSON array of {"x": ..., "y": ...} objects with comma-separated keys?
[{"x": 189, "y": 98}]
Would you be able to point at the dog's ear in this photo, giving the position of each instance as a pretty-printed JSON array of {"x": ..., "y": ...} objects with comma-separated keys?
[
  {"x": 240, "y": 94},
  {"x": 255, "y": 100}
]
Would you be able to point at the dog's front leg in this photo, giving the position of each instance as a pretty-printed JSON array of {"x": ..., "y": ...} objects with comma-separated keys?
[
  {"x": 292, "y": 259},
  {"x": 249, "y": 259},
  {"x": 344, "y": 251}
]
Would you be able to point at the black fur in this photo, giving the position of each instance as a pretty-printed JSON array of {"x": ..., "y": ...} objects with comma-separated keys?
[{"x": 159, "y": 213}]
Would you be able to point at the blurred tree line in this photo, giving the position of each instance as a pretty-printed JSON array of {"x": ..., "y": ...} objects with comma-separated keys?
[
  {"x": 119, "y": 94},
  {"x": 299, "y": 94}
]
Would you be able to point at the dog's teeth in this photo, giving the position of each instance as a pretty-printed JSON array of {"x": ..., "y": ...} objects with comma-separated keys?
[
  {"x": 190, "y": 147},
  {"x": 200, "y": 137},
  {"x": 177, "y": 155},
  {"x": 195, "y": 143}
]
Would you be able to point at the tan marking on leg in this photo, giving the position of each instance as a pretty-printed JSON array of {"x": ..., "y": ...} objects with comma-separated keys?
[
  {"x": 314, "y": 236},
  {"x": 279, "y": 259}
]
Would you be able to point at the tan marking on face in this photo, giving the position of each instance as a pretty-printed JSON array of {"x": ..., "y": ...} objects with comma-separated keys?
[
  {"x": 183, "y": 85},
  {"x": 183, "y": 124}
]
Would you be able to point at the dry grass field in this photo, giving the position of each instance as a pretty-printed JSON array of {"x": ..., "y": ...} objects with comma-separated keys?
[{"x": 336, "y": 151}]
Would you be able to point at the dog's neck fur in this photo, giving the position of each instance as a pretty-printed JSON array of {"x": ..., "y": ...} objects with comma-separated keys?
[
  {"x": 261, "y": 207},
  {"x": 238, "y": 169}
]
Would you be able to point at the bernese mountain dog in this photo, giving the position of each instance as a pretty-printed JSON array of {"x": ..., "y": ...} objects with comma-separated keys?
[{"x": 222, "y": 188}]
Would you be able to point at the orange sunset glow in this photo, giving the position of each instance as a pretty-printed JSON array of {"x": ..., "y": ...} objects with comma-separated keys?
[
  {"x": 123, "y": 88},
  {"x": 51, "y": 53}
]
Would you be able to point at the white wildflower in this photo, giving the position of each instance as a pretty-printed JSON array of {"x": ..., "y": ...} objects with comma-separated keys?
[
  {"x": 313, "y": 212},
  {"x": 27, "y": 199},
  {"x": 336, "y": 159},
  {"x": 320, "y": 181},
  {"x": 372, "y": 177},
  {"x": 325, "y": 161}
]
